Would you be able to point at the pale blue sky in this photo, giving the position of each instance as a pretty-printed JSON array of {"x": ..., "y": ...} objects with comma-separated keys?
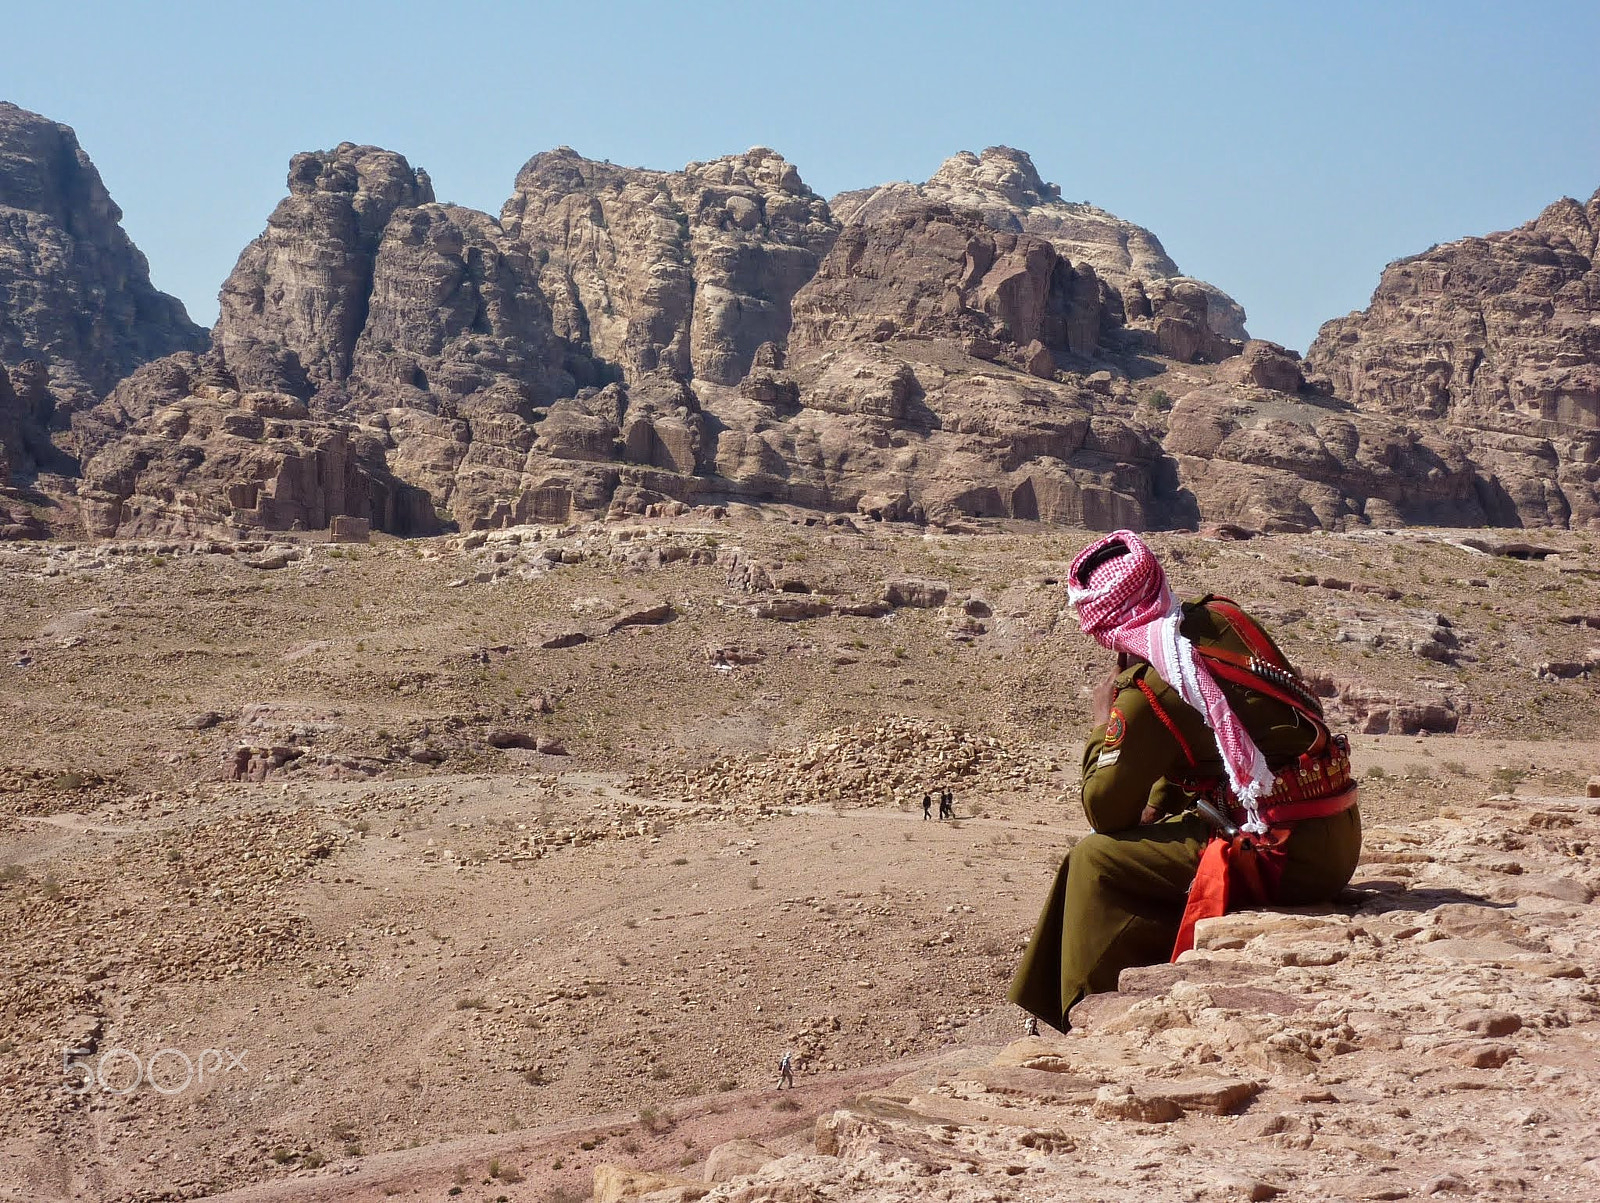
[{"x": 1284, "y": 152}]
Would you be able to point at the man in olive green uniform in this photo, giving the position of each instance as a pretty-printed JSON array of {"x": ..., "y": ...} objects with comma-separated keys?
[{"x": 1119, "y": 898}]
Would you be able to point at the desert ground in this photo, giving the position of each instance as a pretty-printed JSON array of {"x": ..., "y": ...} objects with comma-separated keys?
[{"x": 483, "y": 861}]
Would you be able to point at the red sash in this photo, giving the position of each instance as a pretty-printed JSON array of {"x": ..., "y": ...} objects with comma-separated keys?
[{"x": 1245, "y": 870}]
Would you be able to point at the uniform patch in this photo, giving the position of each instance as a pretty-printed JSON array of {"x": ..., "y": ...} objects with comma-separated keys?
[
  {"x": 1107, "y": 759},
  {"x": 1116, "y": 728}
]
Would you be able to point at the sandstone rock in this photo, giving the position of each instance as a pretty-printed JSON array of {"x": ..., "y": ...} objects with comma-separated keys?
[
  {"x": 1482, "y": 1056},
  {"x": 510, "y": 737},
  {"x": 78, "y": 296},
  {"x": 736, "y": 1158},
  {"x": 256, "y": 764},
  {"x": 1005, "y": 189},
  {"x": 1264, "y": 365},
  {"x": 1288, "y": 465},
  {"x": 727, "y": 655},
  {"x": 1492, "y": 339},
  {"x": 620, "y": 1184},
  {"x": 933, "y": 271},
  {"x": 862, "y": 609},
  {"x": 26, "y": 410},
  {"x": 1123, "y": 1102},
  {"x": 201, "y": 470},
  {"x": 789, "y": 607},
  {"x": 346, "y": 528},
  {"x": 690, "y": 271},
  {"x": 647, "y": 616},
  {"x": 564, "y": 639},
  {"x": 1491, "y": 1023},
  {"x": 304, "y": 284},
  {"x": 916, "y": 592}
]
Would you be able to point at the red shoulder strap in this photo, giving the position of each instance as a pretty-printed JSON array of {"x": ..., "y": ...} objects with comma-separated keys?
[
  {"x": 1167, "y": 720},
  {"x": 1231, "y": 666},
  {"x": 1253, "y": 636}
]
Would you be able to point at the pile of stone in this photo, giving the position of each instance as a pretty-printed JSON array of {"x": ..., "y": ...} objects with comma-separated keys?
[
  {"x": 528, "y": 552},
  {"x": 82, "y": 944},
  {"x": 890, "y": 762}
]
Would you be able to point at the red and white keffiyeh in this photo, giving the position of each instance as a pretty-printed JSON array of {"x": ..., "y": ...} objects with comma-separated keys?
[{"x": 1125, "y": 605}]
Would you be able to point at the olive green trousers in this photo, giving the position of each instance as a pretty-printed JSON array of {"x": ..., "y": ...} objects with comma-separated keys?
[{"x": 1119, "y": 897}]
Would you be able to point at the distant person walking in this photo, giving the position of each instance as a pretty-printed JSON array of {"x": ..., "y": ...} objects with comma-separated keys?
[
  {"x": 927, "y": 807},
  {"x": 947, "y": 805},
  {"x": 786, "y": 1070}
]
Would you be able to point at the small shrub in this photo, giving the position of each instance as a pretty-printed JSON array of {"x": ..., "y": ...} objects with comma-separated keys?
[
  {"x": 470, "y": 1004},
  {"x": 680, "y": 860},
  {"x": 786, "y": 1105},
  {"x": 313, "y": 1160},
  {"x": 1455, "y": 768},
  {"x": 282, "y": 1155},
  {"x": 1508, "y": 778},
  {"x": 1377, "y": 773}
]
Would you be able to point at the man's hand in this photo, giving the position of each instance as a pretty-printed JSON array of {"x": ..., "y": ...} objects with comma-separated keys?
[{"x": 1101, "y": 697}]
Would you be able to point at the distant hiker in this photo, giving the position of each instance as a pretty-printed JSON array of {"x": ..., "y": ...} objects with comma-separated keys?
[
  {"x": 927, "y": 807},
  {"x": 947, "y": 805},
  {"x": 786, "y": 1070}
]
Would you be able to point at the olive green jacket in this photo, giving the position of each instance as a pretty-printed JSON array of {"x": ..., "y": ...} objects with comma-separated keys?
[{"x": 1135, "y": 759}]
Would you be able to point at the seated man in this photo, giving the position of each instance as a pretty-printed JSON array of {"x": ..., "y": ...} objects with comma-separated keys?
[{"x": 1203, "y": 715}]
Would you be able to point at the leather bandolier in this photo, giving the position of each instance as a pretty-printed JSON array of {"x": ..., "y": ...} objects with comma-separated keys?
[{"x": 1238, "y": 866}]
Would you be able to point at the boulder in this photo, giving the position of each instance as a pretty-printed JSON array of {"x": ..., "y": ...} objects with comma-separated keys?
[
  {"x": 916, "y": 592},
  {"x": 1264, "y": 365},
  {"x": 621, "y": 1184},
  {"x": 736, "y": 1158}
]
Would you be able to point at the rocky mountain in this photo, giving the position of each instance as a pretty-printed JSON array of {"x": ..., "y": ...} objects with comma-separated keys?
[
  {"x": 624, "y": 338},
  {"x": 620, "y": 339},
  {"x": 1494, "y": 344},
  {"x": 75, "y": 293},
  {"x": 685, "y": 272},
  {"x": 77, "y": 310},
  {"x": 1004, "y": 187}
]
